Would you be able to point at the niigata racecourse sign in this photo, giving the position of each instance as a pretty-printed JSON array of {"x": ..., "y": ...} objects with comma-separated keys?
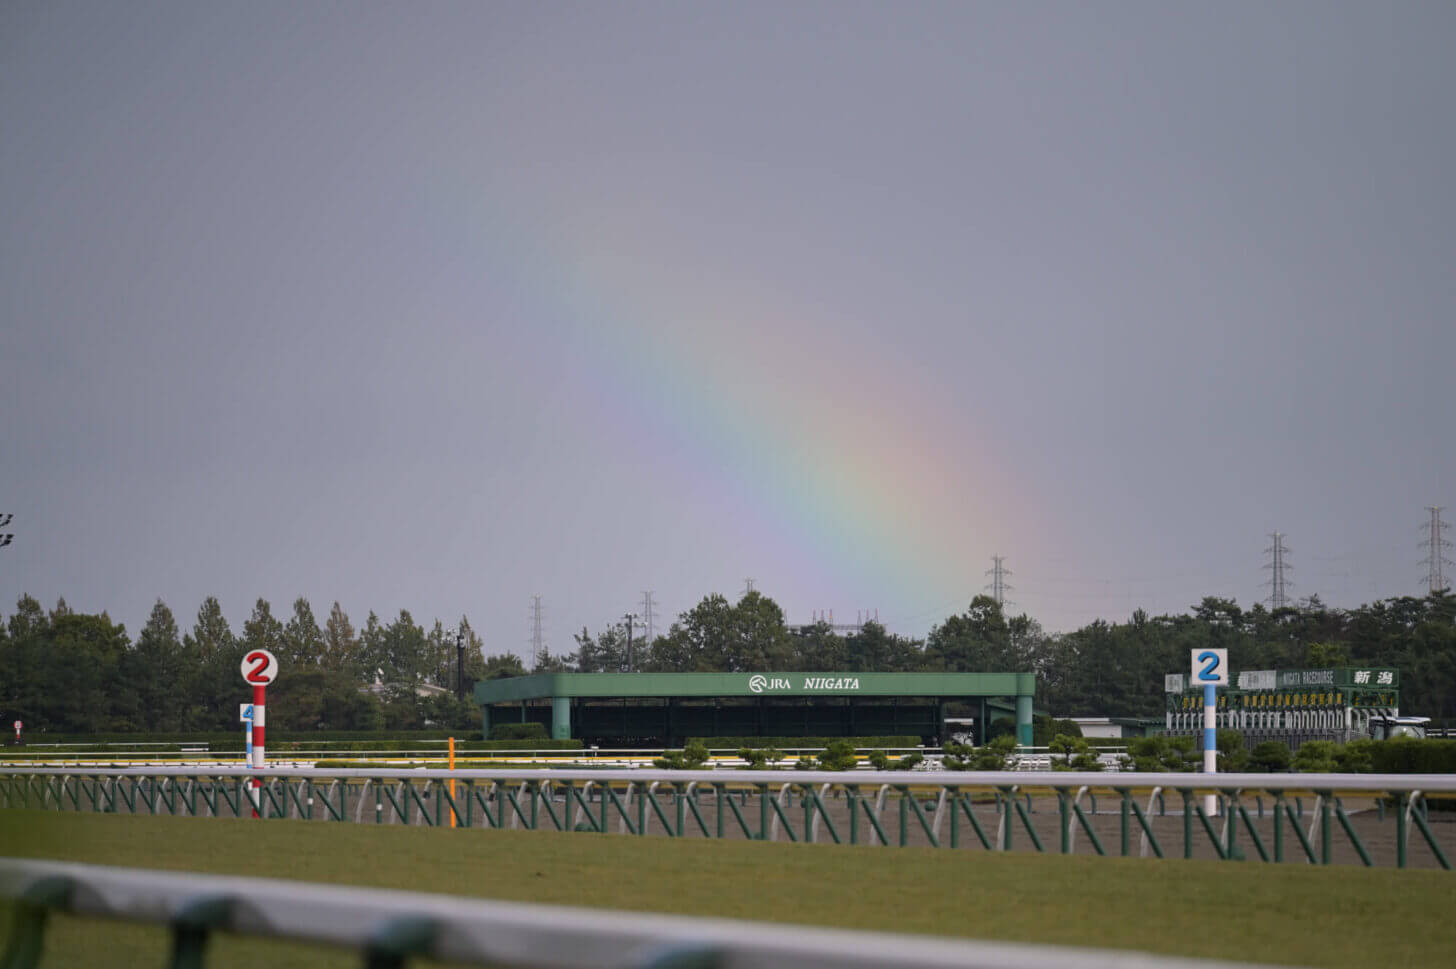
[{"x": 759, "y": 683}]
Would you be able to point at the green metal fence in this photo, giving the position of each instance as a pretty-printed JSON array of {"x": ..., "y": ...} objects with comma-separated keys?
[{"x": 1268, "y": 817}]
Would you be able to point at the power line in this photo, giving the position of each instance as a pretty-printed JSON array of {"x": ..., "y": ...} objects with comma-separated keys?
[
  {"x": 649, "y": 618},
  {"x": 1435, "y": 574},
  {"x": 997, "y": 585},
  {"x": 1279, "y": 564}
]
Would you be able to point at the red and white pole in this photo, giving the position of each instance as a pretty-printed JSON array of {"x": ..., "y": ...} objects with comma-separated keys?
[
  {"x": 259, "y": 694},
  {"x": 259, "y": 691},
  {"x": 259, "y": 669}
]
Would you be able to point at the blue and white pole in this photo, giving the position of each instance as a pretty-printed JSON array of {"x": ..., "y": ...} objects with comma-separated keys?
[
  {"x": 1210, "y": 742},
  {"x": 245, "y": 714},
  {"x": 1210, "y": 671},
  {"x": 1210, "y": 729}
]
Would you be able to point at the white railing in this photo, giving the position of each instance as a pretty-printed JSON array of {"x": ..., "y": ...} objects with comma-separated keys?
[
  {"x": 1371, "y": 783},
  {"x": 389, "y": 927}
]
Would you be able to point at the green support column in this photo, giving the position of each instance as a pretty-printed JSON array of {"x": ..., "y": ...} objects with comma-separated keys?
[
  {"x": 1023, "y": 720},
  {"x": 484, "y": 722},
  {"x": 561, "y": 718}
]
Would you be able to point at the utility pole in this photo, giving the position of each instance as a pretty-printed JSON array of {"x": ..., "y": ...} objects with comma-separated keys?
[
  {"x": 649, "y": 617},
  {"x": 630, "y": 618},
  {"x": 1435, "y": 574},
  {"x": 538, "y": 641},
  {"x": 1278, "y": 565},
  {"x": 998, "y": 573}
]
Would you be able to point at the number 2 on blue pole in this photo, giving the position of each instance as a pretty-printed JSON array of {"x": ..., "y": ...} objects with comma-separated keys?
[{"x": 1209, "y": 667}]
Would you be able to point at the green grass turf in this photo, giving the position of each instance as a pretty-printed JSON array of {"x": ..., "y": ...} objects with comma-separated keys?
[{"x": 1290, "y": 914}]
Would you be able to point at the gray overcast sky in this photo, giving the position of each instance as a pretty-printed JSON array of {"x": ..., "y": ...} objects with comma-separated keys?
[{"x": 437, "y": 306}]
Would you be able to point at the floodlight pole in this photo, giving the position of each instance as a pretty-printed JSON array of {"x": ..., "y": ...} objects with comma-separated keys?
[
  {"x": 629, "y": 617},
  {"x": 459, "y": 664}
]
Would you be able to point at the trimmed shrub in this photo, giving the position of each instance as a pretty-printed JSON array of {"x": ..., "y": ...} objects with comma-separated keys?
[
  {"x": 1001, "y": 727},
  {"x": 1269, "y": 757},
  {"x": 691, "y": 757},
  {"x": 1075, "y": 754},
  {"x": 880, "y": 760},
  {"x": 1233, "y": 757},
  {"x": 1045, "y": 729},
  {"x": 760, "y": 758},
  {"x": 519, "y": 731},
  {"x": 1315, "y": 757},
  {"x": 1355, "y": 757},
  {"x": 838, "y": 756},
  {"x": 999, "y": 754},
  {"x": 1158, "y": 754}
]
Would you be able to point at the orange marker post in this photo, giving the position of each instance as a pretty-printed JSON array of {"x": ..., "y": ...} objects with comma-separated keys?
[{"x": 452, "y": 782}]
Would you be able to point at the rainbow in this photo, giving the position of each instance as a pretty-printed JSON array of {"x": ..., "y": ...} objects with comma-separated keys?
[{"x": 854, "y": 464}]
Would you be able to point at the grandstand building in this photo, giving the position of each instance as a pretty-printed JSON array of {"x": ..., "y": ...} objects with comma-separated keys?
[{"x": 624, "y": 709}]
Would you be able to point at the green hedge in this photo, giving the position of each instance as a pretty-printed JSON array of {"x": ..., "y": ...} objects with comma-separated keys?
[
  {"x": 216, "y": 737},
  {"x": 231, "y": 744},
  {"x": 519, "y": 731},
  {"x": 758, "y": 743},
  {"x": 459, "y": 765},
  {"x": 466, "y": 745},
  {"x": 1407, "y": 755}
]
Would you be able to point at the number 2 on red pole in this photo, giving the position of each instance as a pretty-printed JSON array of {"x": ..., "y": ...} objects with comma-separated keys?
[{"x": 259, "y": 667}]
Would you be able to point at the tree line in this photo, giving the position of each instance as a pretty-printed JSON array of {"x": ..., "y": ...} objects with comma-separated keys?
[
  {"x": 1102, "y": 669},
  {"x": 63, "y": 671}
]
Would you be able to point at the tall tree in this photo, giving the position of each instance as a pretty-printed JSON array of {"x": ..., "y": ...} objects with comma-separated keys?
[
  {"x": 263, "y": 630},
  {"x": 80, "y": 671},
  {"x": 474, "y": 654},
  {"x": 873, "y": 649},
  {"x": 303, "y": 643},
  {"x": 162, "y": 675},
  {"x": 819, "y": 649},
  {"x": 978, "y": 640},
  {"x": 341, "y": 646},
  {"x": 22, "y": 685},
  {"x": 405, "y": 651},
  {"x": 500, "y": 667},
  {"x": 219, "y": 653},
  {"x": 372, "y": 656},
  {"x": 607, "y": 651},
  {"x": 29, "y": 618},
  {"x": 211, "y": 634},
  {"x": 759, "y": 640}
]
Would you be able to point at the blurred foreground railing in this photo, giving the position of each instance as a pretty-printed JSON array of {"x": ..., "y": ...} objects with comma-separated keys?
[
  {"x": 390, "y": 927},
  {"x": 762, "y": 805}
]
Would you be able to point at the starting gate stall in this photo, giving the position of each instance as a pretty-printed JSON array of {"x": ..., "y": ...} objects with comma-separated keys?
[{"x": 1292, "y": 706}]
